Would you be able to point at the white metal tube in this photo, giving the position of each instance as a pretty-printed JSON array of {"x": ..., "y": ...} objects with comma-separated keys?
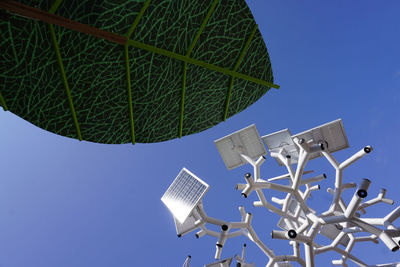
[
  {"x": 317, "y": 147},
  {"x": 393, "y": 246},
  {"x": 248, "y": 159},
  {"x": 270, "y": 254},
  {"x": 237, "y": 225},
  {"x": 331, "y": 159},
  {"x": 367, "y": 238},
  {"x": 366, "y": 226},
  {"x": 313, "y": 179},
  {"x": 218, "y": 252},
  {"x": 280, "y": 177},
  {"x": 296, "y": 248},
  {"x": 241, "y": 186},
  {"x": 393, "y": 215},
  {"x": 247, "y": 190},
  {"x": 396, "y": 239},
  {"x": 209, "y": 219},
  {"x": 284, "y": 176},
  {"x": 392, "y": 232},
  {"x": 303, "y": 159},
  {"x": 214, "y": 221},
  {"x": 301, "y": 144},
  {"x": 388, "y": 201},
  {"x": 277, "y": 200},
  {"x": 314, "y": 188},
  {"x": 196, "y": 225},
  {"x": 349, "y": 247},
  {"x": 277, "y": 234},
  {"x": 373, "y": 221},
  {"x": 301, "y": 201},
  {"x": 303, "y": 239},
  {"x": 288, "y": 164},
  {"x": 257, "y": 167},
  {"x": 355, "y": 157},
  {"x": 211, "y": 233},
  {"x": 201, "y": 233},
  {"x": 273, "y": 186},
  {"x": 338, "y": 179},
  {"x": 243, "y": 251},
  {"x": 334, "y": 219},
  {"x": 303, "y": 227},
  {"x": 235, "y": 234},
  {"x": 309, "y": 255},
  {"x": 351, "y": 257},
  {"x": 353, "y": 206},
  {"x": 338, "y": 238},
  {"x": 222, "y": 238},
  {"x": 273, "y": 209}
]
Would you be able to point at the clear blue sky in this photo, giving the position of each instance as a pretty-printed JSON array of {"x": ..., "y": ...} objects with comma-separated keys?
[{"x": 67, "y": 203}]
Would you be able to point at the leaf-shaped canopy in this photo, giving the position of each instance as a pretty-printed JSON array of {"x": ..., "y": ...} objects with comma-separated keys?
[{"x": 130, "y": 71}]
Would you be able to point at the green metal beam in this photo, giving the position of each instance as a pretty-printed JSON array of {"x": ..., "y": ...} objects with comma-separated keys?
[
  {"x": 137, "y": 19},
  {"x": 55, "y": 6},
  {"x": 237, "y": 64},
  {"x": 130, "y": 104},
  {"x": 64, "y": 78},
  {"x": 246, "y": 46},
  {"x": 3, "y": 102},
  {"x": 180, "y": 133},
  {"x": 200, "y": 63},
  {"x": 189, "y": 51},
  {"x": 203, "y": 25},
  {"x": 128, "y": 72}
]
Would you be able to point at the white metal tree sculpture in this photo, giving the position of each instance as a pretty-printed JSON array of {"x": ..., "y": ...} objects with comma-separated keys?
[{"x": 300, "y": 224}]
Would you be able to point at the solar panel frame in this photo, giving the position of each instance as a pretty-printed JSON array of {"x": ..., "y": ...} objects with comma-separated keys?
[
  {"x": 184, "y": 194},
  {"x": 246, "y": 141},
  {"x": 281, "y": 140},
  {"x": 332, "y": 133}
]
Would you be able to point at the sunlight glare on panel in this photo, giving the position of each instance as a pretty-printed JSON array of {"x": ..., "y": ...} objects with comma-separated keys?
[{"x": 184, "y": 194}]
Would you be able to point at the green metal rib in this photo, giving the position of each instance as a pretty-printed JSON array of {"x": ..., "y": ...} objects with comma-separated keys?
[
  {"x": 137, "y": 19},
  {"x": 55, "y": 6},
  {"x": 182, "y": 100},
  {"x": 3, "y": 102},
  {"x": 200, "y": 63},
  {"x": 128, "y": 72},
  {"x": 64, "y": 78},
  {"x": 189, "y": 51},
  {"x": 203, "y": 25},
  {"x": 130, "y": 104},
  {"x": 237, "y": 64},
  {"x": 246, "y": 46}
]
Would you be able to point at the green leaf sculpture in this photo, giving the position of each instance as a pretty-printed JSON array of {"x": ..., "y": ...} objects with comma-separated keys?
[{"x": 130, "y": 71}]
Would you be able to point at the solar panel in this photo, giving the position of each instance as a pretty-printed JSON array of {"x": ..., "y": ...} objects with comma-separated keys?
[
  {"x": 282, "y": 140},
  {"x": 188, "y": 225},
  {"x": 246, "y": 141},
  {"x": 184, "y": 194},
  {"x": 221, "y": 263},
  {"x": 332, "y": 134}
]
